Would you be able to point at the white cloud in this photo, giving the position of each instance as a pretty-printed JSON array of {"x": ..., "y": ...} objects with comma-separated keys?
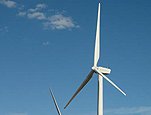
[
  {"x": 38, "y": 7},
  {"x": 39, "y": 12},
  {"x": 46, "y": 43},
  {"x": 32, "y": 10},
  {"x": 144, "y": 110},
  {"x": 21, "y": 13},
  {"x": 41, "y": 6},
  {"x": 36, "y": 15},
  {"x": 59, "y": 21},
  {"x": 8, "y": 3}
]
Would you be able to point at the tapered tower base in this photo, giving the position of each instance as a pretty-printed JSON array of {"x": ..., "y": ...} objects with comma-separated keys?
[{"x": 100, "y": 95}]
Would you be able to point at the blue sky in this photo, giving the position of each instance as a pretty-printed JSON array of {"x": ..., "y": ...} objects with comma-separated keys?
[{"x": 50, "y": 44}]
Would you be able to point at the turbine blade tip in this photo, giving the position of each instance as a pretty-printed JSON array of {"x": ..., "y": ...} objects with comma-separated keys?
[{"x": 65, "y": 107}]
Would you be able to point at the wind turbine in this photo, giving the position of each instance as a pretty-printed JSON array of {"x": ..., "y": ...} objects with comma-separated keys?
[
  {"x": 55, "y": 102},
  {"x": 101, "y": 71}
]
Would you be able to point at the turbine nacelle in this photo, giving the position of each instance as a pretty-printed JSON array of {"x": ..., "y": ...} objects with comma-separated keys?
[{"x": 103, "y": 70}]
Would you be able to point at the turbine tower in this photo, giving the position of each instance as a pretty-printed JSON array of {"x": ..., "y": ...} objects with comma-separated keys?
[{"x": 101, "y": 71}]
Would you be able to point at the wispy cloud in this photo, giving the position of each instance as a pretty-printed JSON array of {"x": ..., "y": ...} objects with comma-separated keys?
[
  {"x": 8, "y": 3},
  {"x": 36, "y": 15},
  {"x": 144, "y": 110},
  {"x": 38, "y": 7},
  {"x": 59, "y": 21},
  {"x": 141, "y": 110},
  {"x": 21, "y": 13},
  {"x": 40, "y": 12},
  {"x": 46, "y": 43}
]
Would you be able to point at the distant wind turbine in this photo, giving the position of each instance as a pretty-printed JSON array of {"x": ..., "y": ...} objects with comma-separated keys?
[
  {"x": 55, "y": 102},
  {"x": 101, "y": 71}
]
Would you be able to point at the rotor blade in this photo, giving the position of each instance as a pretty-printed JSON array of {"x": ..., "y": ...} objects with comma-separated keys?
[
  {"x": 81, "y": 86},
  {"x": 97, "y": 41},
  {"x": 112, "y": 83},
  {"x": 55, "y": 102}
]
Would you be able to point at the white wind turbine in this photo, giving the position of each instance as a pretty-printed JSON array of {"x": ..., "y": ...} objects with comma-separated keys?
[
  {"x": 101, "y": 71},
  {"x": 55, "y": 102}
]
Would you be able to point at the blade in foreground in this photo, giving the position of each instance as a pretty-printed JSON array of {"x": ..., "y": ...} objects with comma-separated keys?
[
  {"x": 97, "y": 41},
  {"x": 112, "y": 83},
  {"x": 81, "y": 86},
  {"x": 55, "y": 102}
]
